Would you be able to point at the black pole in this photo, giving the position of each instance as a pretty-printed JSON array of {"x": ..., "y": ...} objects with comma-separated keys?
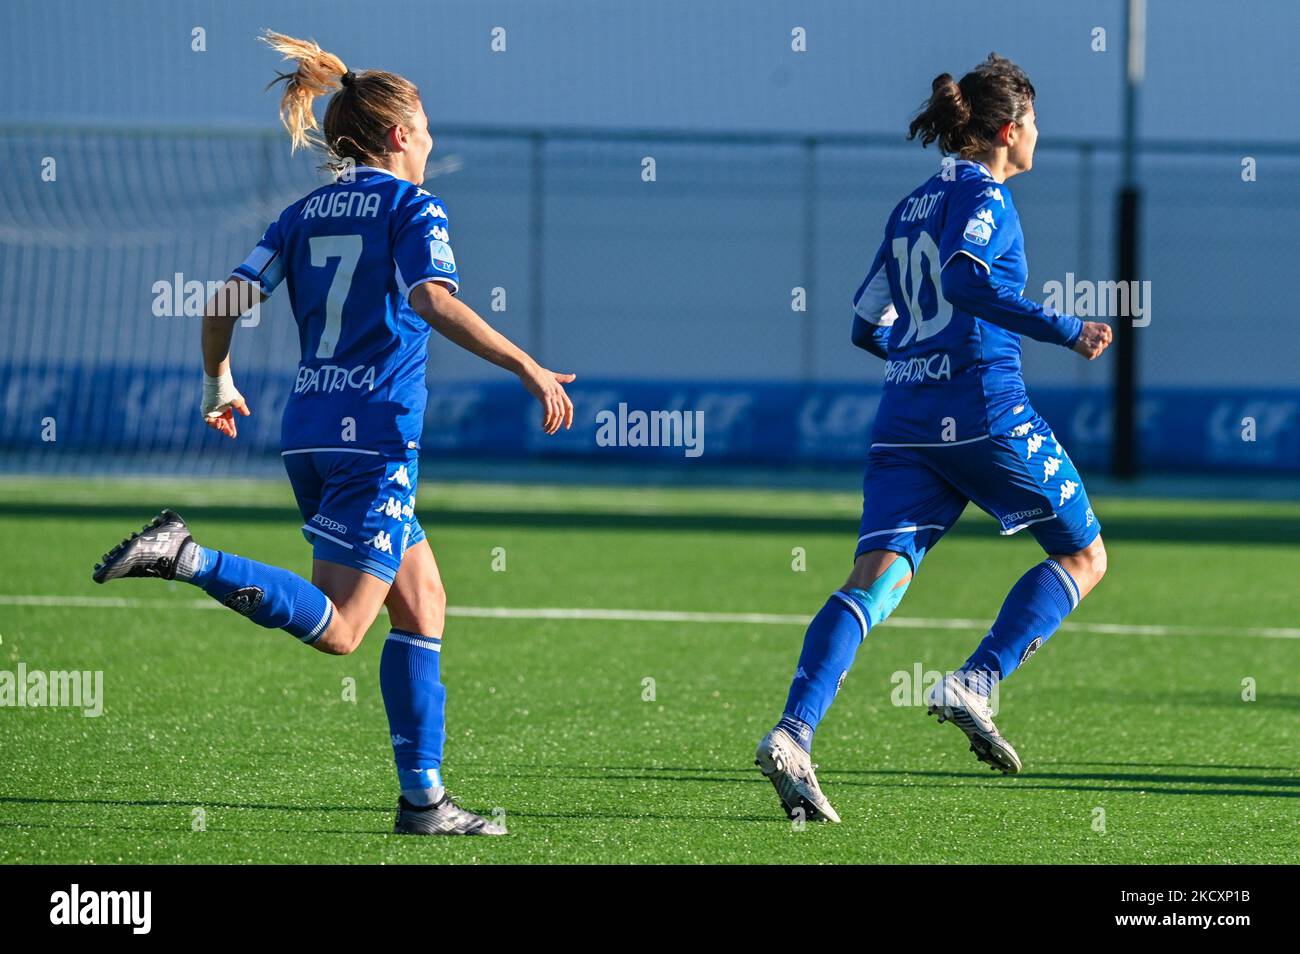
[
  {"x": 1124, "y": 462},
  {"x": 1123, "y": 447}
]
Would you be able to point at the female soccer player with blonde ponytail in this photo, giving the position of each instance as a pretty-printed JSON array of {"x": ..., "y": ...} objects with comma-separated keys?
[{"x": 368, "y": 267}]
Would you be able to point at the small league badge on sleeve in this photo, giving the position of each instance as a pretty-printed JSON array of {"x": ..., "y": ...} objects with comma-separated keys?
[
  {"x": 979, "y": 229},
  {"x": 443, "y": 259}
]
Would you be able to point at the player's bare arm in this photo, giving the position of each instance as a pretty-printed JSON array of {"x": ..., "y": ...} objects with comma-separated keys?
[
  {"x": 221, "y": 399},
  {"x": 462, "y": 325}
]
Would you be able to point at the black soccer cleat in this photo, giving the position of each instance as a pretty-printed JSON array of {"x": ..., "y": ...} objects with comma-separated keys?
[
  {"x": 154, "y": 551},
  {"x": 444, "y": 817}
]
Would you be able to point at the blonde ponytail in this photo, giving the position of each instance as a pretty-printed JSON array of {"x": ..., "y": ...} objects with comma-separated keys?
[
  {"x": 358, "y": 118},
  {"x": 317, "y": 74}
]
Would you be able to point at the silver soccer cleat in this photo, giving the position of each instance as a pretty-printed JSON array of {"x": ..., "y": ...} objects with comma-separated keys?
[
  {"x": 954, "y": 701},
  {"x": 791, "y": 771},
  {"x": 444, "y": 818}
]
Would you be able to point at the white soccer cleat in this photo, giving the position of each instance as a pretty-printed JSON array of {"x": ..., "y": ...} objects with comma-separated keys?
[
  {"x": 791, "y": 771},
  {"x": 952, "y": 700}
]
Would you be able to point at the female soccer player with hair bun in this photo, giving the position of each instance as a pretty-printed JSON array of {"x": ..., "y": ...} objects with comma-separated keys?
[
  {"x": 942, "y": 304},
  {"x": 368, "y": 267}
]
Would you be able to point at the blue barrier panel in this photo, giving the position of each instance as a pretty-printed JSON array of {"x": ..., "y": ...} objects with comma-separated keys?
[{"x": 124, "y": 409}]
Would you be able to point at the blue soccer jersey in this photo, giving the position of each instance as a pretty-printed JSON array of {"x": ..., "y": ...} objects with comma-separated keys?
[
  {"x": 951, "y": 375},
  {"x": 349, "y": 255}
]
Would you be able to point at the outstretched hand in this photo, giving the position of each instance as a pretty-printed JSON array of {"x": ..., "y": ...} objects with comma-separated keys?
[{"x": 548, "y": 388}]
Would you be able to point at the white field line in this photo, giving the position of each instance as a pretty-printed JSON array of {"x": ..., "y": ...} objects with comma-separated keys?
[{"x": 676, "y": 616}]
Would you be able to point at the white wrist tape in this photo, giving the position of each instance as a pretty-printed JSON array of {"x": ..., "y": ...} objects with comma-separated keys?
[{"x": 218, "y": 392}]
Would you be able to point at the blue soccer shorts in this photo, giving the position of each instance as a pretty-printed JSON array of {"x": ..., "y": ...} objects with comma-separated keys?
[
  {"x": 913, "y": 494},
  {"x": 358, "y": 508}
]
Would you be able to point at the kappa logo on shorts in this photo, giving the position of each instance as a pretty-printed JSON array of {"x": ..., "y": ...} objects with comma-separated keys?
[
  {"x": 1021, "y": 515},
  {"x": 328, "y": 524},
  {"x": 244, "y": 600},
  {"x": 1050, "y": 467},
  {"x": 1067, "y": 491}
]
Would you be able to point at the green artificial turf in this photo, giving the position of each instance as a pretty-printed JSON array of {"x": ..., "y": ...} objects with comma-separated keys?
[{"x": 223, "y": 742}]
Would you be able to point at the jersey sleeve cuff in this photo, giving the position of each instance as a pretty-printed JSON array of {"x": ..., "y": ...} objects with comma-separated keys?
[
  {"x": 1073, "y": 336},
  {"x": 246, "y": 275},
  {"x": 453, "y": 286}
]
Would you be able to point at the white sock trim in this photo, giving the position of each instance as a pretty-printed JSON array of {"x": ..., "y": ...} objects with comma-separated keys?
[
  {"x": 852, "y": 604},
  {"x": 432, "y": 642},
  {"x": 1072, "y": 588}
]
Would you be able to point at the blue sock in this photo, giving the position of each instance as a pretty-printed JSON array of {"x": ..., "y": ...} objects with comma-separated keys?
[
  {"x": 829, "y": 646},
  {"x": 415, "y": 699},
  {"x": 1032, "y": 612},
  {"x": 268, "y": 595}
]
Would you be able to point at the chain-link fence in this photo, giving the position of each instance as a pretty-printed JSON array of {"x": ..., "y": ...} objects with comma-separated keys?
[{"x": 632, "y": 258}]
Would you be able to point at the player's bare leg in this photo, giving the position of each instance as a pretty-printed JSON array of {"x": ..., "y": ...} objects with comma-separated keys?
[
  {"x": 1086, "y": 566},
  {"x": 414, "y": 698},
  {"x": 357, "y": 597}
]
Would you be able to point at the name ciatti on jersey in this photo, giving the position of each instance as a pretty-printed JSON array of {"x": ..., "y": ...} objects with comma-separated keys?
[{"x": 349, "y": 254}]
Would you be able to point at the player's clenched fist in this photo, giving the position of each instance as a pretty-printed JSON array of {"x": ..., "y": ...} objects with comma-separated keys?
[{"x": 1093, "y": 340}]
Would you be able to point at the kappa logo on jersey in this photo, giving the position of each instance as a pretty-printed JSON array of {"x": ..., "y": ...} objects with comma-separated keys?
[
  {"x": 438, "y": 232},
  {"x": 443, "y": 259},
  {"x": 434, "y": 210},
  {"x": 1050, "y": 467},
  {"x": 992, "y": 193},
  {"x": 1067, "y": 491}
]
